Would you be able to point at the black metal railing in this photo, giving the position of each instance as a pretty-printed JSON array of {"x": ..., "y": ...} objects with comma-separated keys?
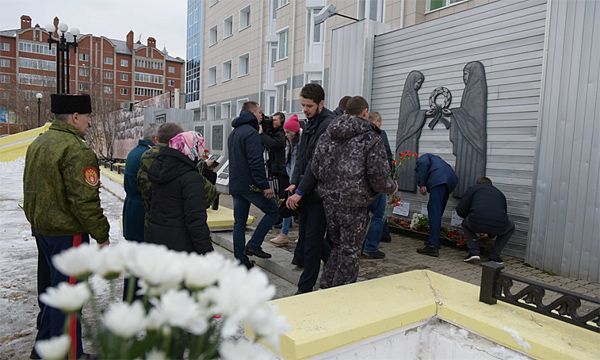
[{"x": 496, "y": 285}]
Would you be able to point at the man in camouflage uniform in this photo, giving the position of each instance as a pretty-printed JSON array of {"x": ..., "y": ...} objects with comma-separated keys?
[
  {"x": 61, "y": 197},
  {"x": 350, "y": 164},
  {"x": 165, "y": 133}
]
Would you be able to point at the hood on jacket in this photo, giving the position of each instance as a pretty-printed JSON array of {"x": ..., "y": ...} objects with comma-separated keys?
[
  {"x": 169, "y": 165},
  {"x": 246, "y": 117},
  {"x": 346, "y": 126}
]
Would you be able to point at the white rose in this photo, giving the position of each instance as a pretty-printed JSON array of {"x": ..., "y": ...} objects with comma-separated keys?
[
  {"x": 78, "y": 261},
  {"x": 68, "y": 298},
  {"x": 54, "y": 348},
  {"x": 125, "y": 320}
]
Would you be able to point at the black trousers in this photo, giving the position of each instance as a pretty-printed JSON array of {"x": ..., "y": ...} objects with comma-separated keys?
[{"x": 312, "y": 226}]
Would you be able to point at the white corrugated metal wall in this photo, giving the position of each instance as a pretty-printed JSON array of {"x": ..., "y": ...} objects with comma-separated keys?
[
  {"x": 508, "y": 38},
  {"x": 565, "y": 219}
]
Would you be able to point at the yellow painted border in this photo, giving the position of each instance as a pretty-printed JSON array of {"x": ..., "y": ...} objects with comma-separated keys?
[
  {"x": 15, "y": 146},
  {"x": 330, "y": 319}
]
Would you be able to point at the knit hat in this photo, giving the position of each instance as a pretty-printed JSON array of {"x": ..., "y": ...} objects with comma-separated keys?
[
  {"x": 70, "y": 103},
  {"x": 189, "y": 143},
  {"x": 292, "y": 124}
]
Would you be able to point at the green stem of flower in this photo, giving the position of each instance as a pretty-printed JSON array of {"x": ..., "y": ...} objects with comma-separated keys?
[{"x": 131, "y": 288}]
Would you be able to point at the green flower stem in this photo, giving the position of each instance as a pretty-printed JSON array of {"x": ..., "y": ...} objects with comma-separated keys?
[{"x": 131, "y": 289}]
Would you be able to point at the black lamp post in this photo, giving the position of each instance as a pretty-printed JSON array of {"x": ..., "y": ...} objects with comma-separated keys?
[
  {"x": 62, "y": 60},
  {"x": 39, "y": 97}
]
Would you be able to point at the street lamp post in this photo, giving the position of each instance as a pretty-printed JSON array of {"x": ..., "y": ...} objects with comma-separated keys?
[
  {"x": 62, "y": 45},
  {"x": 39, "y": 97}
]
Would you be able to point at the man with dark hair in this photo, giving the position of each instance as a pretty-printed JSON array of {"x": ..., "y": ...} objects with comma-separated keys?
[
  {"x": 312, "y": 245},
  {"x": 62, "y": 201},
  {"x": 246, "y": 169},
  {"x": 484, "y": 210},
  {"x": 378, "y": 206},
  {"x": 341, "y": 106},
  {"x": 350, "y": 164},
  {"x": 274, "y": 142},
  {"x": 436, "y": 176}
]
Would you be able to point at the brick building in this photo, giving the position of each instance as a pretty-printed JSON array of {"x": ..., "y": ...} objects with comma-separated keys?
[{"x": 114, "y": 72}]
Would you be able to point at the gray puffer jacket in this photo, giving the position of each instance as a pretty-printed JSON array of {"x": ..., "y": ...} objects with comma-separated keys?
[{"x": 350, "y": 163}]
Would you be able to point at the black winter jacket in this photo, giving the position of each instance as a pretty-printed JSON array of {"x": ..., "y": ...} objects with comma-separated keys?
[
  {"x": 351, "y": 164},
  {"x": 485, "y": 205},
  {"x": 275, "y": 143},
  {"x": 178, "y": 207},
  {"x": 246, "y": 162},
  {"x": 308, "y": 142}
]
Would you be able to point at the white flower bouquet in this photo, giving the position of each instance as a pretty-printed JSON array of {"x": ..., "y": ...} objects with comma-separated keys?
[{"x": 191, "y": 303}]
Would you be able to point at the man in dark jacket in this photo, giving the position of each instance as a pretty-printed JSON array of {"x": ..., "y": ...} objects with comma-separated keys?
[
  {"x": 246, "y": 169},
  {"x": 484, "y": 210},
  {"x": 341, "y": 106},
  {"x": 61, "y": 198},
  {"x": 350, "y": 164},
  {"x": 436, "y": 176},
  {"x": 312, "y": 246},
  {"x": 274, "y": 142},
  {"x": 178, "y": 209}
]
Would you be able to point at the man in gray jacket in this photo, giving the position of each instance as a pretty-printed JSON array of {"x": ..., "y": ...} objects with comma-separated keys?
[{"x": 350, "y": 164}]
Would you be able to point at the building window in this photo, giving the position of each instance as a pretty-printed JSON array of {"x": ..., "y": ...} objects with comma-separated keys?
[
  {"x": 84, "y": 57},
  {"x": 84, "y": 72},
  {"x": 227, "y": 70},
  {"x": 438, "y": 4},
  {"x": 149, "y": 64},
  {"x": 226, "y": 110},
  {"x": 108, "y": 89},
  {"x": 283, "y": 2},
  {"x": 228, "y": 27},
  {"x": 282, "y": 43},
  {"x": 5, "y": 79},
  {"x": 211, "y": 112},
  {"x": 39, "y": 80},
  {"x": 212, "y": 75},
  {"x": 373, "y": 9},
  {"x": 125, "y": 77},
  {"x": 171, "y": 82},
  {"x": 315, "y": 39},
  {"x": 240, "y": 103},
  {"x": 212, "y": 36},
  {"x": 38, "y": 48},
  {"x": 84, "y": 87},
  {"x": 5, "y": 46},
  {"x": 281, "y": 97},
  {"x": 108, "y": 60},
  {"x": 149, "y": 92},
  {"x": 245, "y": 17},
  {"x": 37, "y": 64},
  {"x": 212, "y": 2},
  {"x": 124, "y": 91},
  {"x": 108, "y": 75},
  {"x": 5, "y": 62},
  {"x": 314, "y": 78},
  {"x": 244, "y": 64},
  {"x": 151, "y": 78},
  {"x": 172, "y": 69},
  {"x": 124, "y": 62}
]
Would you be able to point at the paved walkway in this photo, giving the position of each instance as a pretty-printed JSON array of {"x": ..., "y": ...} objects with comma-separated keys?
[{"x": 401, "y": 256}]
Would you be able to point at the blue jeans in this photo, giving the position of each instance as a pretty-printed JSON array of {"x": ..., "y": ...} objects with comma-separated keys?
[
  {"x": 377, "y": 208},
  {"x": 285, "y": 225},
  {"x": 241, "y": 208}
]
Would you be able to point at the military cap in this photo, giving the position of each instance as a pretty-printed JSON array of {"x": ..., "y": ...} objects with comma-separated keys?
[{"x": 71, "y": 103}]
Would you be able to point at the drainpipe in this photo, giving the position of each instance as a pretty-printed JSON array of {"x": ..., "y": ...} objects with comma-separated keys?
[
  {"x": 260, "y": 56},
  {"x": 402, "y": 15},
  {"x": 292, "y": 53}
]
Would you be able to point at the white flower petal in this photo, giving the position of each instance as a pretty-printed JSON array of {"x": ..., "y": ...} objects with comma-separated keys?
[
  {"x": 267, "y": 324},
  {"x": 240, "y": 349},
  {"x": 54, "y": 348},
  {"x": 156, "y": 264},
  {"x": 78, "y": 261},
  {"x": 156, "y": 355},
  {"x": 125, "y": 320},
  {"x": 68, "y": 298}
]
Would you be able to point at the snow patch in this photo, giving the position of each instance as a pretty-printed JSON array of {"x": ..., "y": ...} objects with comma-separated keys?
[{"x": 518, "y": 339}]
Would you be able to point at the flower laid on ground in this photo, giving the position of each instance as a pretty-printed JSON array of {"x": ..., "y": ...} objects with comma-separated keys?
[
  {"x": 397, "y": 168},
  {"x": 419, "y": 222},
  {"x": 68, "y": 298},
  {"x": 190, "y": 304},
  {"x": 54, "y": 348}
]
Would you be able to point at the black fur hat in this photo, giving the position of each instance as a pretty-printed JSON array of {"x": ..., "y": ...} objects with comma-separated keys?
[{"x": 71, "y": 103}]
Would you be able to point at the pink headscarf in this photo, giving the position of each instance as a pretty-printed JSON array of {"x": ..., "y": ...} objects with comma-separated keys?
[{"x": 189, "y": 143}]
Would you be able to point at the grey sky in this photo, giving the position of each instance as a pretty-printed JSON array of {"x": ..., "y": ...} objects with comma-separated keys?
[{"x": 163, "y": 20}]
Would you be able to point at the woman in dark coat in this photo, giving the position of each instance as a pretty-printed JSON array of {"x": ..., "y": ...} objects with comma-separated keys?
[{"x": 178, "y": 208}]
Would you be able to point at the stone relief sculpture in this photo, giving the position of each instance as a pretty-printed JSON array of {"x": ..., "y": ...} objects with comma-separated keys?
[
  {"x": 410, "y": 124},
  {"x": 468, "y": 128},
  {"x": 467, "y": 125}
]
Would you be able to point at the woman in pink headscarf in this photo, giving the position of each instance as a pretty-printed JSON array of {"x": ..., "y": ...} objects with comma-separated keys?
[{"x": 178, "y": 208}]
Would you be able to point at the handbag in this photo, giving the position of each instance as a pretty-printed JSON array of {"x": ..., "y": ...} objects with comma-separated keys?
[{"x": 286, "y": 212}]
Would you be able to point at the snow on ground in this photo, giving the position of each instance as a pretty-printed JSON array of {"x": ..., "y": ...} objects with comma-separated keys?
[{"x": 18, "y": 263}]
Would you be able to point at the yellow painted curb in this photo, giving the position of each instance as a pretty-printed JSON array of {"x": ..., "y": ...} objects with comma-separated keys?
[
  {"x": 15, "y": 146},
  {"x": 330, "y": 319}
]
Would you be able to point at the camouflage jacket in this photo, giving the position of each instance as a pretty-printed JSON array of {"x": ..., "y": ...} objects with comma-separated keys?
[
  {"x": 145, "y": 185},
  {"x": 61, "y": 183}
]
